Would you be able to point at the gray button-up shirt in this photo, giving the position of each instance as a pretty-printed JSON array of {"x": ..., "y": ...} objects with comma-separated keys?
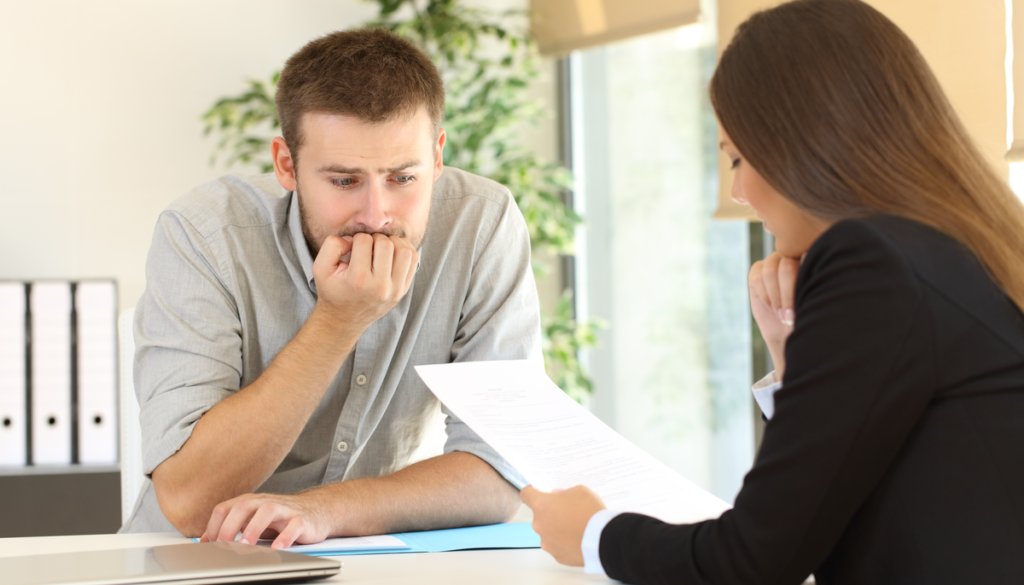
[{"x": 229, "y": 282}]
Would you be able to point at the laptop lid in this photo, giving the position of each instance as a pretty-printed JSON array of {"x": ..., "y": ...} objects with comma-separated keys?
[{"x": 207, "y": 563}]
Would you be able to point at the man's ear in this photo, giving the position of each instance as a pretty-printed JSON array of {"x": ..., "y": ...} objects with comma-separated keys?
[
  {"x": 439, "y": 154},
  {"x": 284, "y": 164}
]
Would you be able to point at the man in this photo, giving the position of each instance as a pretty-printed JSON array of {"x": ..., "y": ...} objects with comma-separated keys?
[{"x": 278, "y": 332}]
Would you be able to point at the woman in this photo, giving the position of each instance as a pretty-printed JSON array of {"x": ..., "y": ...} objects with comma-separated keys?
[{"x": 895, "y": 453}]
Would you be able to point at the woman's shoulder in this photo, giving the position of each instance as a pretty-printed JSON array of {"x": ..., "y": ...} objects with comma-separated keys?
[
  {"x": 898, "y": 235},
  {"x": 905, "y": 255},
  {"x": 912, "y": 249},
  {"x": 922, "y": 251},
  {"x": 879, "y": 244}
]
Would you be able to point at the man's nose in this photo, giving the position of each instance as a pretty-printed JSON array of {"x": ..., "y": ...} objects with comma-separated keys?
[{"x": 373, "y": 210}]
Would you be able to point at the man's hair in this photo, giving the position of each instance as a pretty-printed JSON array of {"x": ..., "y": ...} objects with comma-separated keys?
[{"x": 371, "y": 74}]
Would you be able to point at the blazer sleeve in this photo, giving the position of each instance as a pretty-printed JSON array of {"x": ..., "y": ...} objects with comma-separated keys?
[{"x": 859, "y": 375}]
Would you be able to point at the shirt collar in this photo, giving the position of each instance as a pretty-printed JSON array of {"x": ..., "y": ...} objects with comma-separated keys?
[{"x": 299, "y": 240}]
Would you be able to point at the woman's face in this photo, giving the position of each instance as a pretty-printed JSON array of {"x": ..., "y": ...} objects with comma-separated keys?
[{"x": 794, "y": 229}]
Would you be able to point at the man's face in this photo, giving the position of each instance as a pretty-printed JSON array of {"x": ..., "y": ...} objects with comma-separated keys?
[{"x": 354, "y": 176}]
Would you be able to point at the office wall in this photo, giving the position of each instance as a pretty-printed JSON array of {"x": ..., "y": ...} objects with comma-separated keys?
[{"x": 100, "y": 118}]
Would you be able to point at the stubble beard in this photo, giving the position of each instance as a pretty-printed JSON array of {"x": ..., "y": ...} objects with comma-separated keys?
[{"x": 316, "y": 234}]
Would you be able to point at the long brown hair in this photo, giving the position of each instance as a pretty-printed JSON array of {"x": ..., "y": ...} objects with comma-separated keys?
[{"x": 837, "y": 109}]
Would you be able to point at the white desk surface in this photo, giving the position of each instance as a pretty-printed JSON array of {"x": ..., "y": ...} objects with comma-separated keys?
[{"x": 490, "y": 566}]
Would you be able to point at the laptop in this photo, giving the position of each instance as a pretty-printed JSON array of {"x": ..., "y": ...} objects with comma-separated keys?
[{"x": 208, "y": 563}]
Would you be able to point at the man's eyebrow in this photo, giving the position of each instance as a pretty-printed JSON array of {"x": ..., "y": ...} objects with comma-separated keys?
[
  {"x": 342, "y": 170},
  {"x": 401, "y": 167}
]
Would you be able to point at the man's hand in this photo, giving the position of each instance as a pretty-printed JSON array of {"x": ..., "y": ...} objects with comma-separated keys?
[
  {"x": 289, "y": 520},
  {"x": 447, "y": 491},
  {"x": 360, "y": 278},
  {"x": 560, "y": 518},
  {"x": 772, "y": 283}
]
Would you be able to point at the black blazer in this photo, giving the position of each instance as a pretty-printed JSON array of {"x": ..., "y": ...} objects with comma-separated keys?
[{"x": 896, "y": 452}]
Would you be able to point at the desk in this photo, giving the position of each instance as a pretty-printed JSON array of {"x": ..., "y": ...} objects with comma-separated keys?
[{"x": 490, "y": 566}]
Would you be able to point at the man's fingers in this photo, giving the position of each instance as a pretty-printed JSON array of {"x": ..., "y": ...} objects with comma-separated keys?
[
  {"x": 383, "y": 256},
  {"x": 403, "y": 259},
  {"x": 361, "y": 259},
  {"x": 410, "y": 273},
  {"x": 220, "y": 511},
  {"x": 346, "y": 249},
  {"x": 261, "y": 519},
  {"x": 330, "y": 252},
  {"x": 237, "y": 518},
  {"x": 290, "y": 534}
]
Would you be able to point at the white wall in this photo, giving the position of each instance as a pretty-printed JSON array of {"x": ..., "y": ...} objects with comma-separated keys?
[{"x": 100, "y": 117}]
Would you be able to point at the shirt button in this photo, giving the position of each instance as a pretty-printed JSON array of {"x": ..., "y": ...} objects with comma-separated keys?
[
  {"x": 361, "y": 380},
  {"x": 343, "y": 446}
]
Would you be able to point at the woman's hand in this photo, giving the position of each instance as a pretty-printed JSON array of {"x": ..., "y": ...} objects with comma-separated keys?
[
  {"x": 560, "y": 518},
  {"x": 772, "y": 283}
]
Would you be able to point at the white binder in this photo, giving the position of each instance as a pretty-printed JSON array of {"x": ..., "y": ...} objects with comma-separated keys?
[
  {"x": 13, "y": 389},
  {"x": 50, "y": 304},
  {"x": 96, "y": 317}
]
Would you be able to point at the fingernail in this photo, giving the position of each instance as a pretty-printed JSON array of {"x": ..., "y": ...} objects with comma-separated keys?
[
  {"x": 780, "y": 315},
  {"x": 788, "y": 317},
  {"x": 244, "y": 540}
]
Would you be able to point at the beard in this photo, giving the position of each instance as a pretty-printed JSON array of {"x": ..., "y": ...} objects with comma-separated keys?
[{"x": 316, "y": 233}]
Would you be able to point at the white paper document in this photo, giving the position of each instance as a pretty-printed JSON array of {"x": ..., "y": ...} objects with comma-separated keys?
[
  {"x": 556, "y": 443},
  {"x": 345, "y": 544}
]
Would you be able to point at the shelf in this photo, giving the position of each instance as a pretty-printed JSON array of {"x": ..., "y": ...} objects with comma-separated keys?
[{"x": 7, "y": 470}]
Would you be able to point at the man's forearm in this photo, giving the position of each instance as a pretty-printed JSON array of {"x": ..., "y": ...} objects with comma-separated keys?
[
  {"x": 239, "y": 442},
  {"x": 451, "y": 490}
]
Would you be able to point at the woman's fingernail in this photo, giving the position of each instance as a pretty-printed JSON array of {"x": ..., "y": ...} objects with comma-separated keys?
[
  {"x": 788, "y": 317},
  {"x": 244, "y": 540},
  {"x": 780, "y": 315}
]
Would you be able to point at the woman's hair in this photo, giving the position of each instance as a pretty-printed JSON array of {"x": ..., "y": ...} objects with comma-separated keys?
[{"x": 836, "y": 108}]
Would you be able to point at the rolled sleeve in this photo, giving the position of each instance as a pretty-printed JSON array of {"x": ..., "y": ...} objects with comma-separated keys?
[
  {"x": 462, "y": 438},
  {"x": 187, "y": 336}
]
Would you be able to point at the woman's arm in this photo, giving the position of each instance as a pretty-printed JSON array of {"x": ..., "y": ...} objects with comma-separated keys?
[{"x": 858, "y": 376}]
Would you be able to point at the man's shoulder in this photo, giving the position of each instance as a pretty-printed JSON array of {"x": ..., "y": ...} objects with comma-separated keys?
[
  {"x": 232, "y": 200},
  {"x": 457, "y": 184}
]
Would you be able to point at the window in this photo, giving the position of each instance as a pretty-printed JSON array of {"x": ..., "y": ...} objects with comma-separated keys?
[{"x": 673, "y": 372}]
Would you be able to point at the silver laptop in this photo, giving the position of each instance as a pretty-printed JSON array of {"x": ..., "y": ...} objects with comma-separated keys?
[{"x": 191, "y": 564}]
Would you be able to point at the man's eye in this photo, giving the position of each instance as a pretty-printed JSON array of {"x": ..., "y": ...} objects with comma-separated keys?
[
  {"x": 344, "y": 182},
  {"x": 403, "y": 179}
]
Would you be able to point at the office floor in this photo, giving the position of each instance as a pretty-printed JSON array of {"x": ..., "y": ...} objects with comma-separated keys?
[{"x": 54, "y": 504}]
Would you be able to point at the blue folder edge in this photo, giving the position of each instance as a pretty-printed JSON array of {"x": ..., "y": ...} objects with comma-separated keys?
[{"x": 493, "y": 536}]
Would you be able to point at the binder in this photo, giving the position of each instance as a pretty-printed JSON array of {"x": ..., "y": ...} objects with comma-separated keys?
[
  {"x": 95, "y": 320},
  {"x": 13, "y": 375},
  {"x": 50, "y": 306}
]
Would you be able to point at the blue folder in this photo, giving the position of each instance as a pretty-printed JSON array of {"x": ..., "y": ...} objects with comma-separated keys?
[{"x": 494, "y": 536}]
